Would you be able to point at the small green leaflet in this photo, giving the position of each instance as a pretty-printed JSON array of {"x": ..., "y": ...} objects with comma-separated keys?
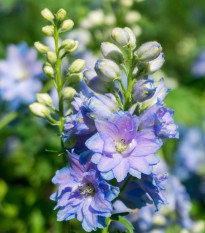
[{"x": 124, "y": 221}]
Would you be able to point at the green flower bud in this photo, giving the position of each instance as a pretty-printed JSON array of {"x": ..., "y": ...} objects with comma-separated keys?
[
  {"x": 120, "y": 36},
  {"x": 48, "y": 70},
  {"x": 74, "y": 48},
  {"x": 77, "y": 66},
  {"x": 48, "y": 30},
  {"x": 107, "y": 70},
  {"x": 112, "y": 52},
  {"x": 52, "y": 58},
  {"x": 132, "y": 38},
  {"x": 39, "y": 110},
  {"x": 61, "y": 14},
  {"x": 47, "y": 14},
  {"x": 67, "y": 25},
  {"x": 148, "y": 51},
  {"x": 44, "y": 98},
  {"x": 68, "y": 93},
  {"x": 70, "y": 142},
  {"x": 74, "y": 79},
  {"x": 68, "y": 44},
  {"x": 40, "y": 47}
]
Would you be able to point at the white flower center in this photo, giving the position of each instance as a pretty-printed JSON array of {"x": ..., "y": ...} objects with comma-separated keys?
[
  {"x": 120, "y": 145},
  {"x": 87, "y": 189}
]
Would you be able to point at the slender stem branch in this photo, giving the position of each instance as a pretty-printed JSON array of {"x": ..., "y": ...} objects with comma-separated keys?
[
  {"x": 105, "y": 230},
  {"x": 59, "y": 82},
  {"x": 7, "y": 119},
  {"x": 129, "y": 81}
]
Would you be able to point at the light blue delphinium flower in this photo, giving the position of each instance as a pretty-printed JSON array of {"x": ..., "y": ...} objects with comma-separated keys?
[
  {"x": 20, "y": 75},
  {"x": 120, "y": 148},
  {"x": 198, "y": 68},
  {"x": 190, "y": 155},
  {"x": 80, "y": 123},
  {"x": 83, "y": 194},
  {"x": 145, "y": 218}
]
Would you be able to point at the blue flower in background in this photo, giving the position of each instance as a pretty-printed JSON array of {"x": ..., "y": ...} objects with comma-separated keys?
[
  {"x": 83, "y": 194},
  {"x": 198, "y": 68},
  {"x": 190, "y": 155},
  {"x": 121, "y": 149},
  {"x": 80, "y": 123},
  {"x": 20, "y": 75}
]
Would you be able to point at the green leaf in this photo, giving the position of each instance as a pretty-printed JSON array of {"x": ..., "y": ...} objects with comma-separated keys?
[{"x": 124, "y": 221}]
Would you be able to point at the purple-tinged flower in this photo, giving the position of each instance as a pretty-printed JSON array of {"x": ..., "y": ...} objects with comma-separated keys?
[
  {"x": 143, "y": 90},
  {"x": 83, "y": 194},
  {"x": 146, "y": 190},
  {"x": 159, "y": 95},
  {"x": 19, "y": 75},
  {"x": 81, "y": 124},
  {"x": 190, "y": 155},
  {"x": 198, "y": 68},
  {"x": 119, "y": 148},
  {"x": 160, "y": 119}
]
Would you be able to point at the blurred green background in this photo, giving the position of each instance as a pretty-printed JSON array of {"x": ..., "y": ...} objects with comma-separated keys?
[{"x": 26, "y": 168}]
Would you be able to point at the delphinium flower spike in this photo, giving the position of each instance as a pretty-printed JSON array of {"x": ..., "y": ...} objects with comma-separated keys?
[{"x": 112, "y": 131}]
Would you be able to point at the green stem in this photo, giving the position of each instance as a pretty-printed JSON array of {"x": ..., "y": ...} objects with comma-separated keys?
[
  {"x": 59, "y": 82},
  {"x": 7, "y": 119},
  {"x": 129, "y": 81},
  {"x": 105, "y": 230}
]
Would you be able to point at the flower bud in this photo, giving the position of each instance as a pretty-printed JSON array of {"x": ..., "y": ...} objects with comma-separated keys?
[
  {"x": 155, "y": 64},
  {"x": 77, "y": 66},
  {"x": 39, "y": 110},
  {"x": 48, "y": 30},
  {"x": 74, "y": 48},
  {"x": 44, "y": 98},
  {"x": 120, "y": 36},
  {"x": 48, "y": 70},
  {"x": 68, "y": 93},
  {"x": 148, "y": 51},
  {"x": 107, "y": 70},
  {"x": 74, "y": 79},
  {"x": 68, "y": 43},
  {"x": 143, "y": 90},
  {"x": 112, "y": 52},
  {"x": 52, "y": 58},
  {"x": 95, "y": 83},
  {"x": 61, "y": 14},
  {"x": 40, "y": 47},
  {"x": 67, "y": 25},
  {"x": 47, "y": 14},
  {"x": 132, "y": 38}
]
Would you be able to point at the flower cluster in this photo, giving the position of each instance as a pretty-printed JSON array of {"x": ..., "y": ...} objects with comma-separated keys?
[
  {"x": 20, "y": 75},
  {"x": 112, "y": 130}
]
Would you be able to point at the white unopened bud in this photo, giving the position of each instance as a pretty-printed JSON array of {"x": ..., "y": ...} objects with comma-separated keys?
[
  {"x": 74, "y": 48},
  {"x": 44, "y": 98},
  {"x": 68, "y": 93},
  {"x": 47, "y": 14},
  {"x": 132, "y": 38},
  {"x": 68, "y": 44},
  {"x": 61, "y": 14},
  {"x": 120, "y": 36},
  {"x": 148, "y": 51},
  {"x": 48, "y": 30},
  {"x": 67, "y": 25},
  {"x": 74, "y": 79},
  {"x": 52, "y": 58},
  {"x": 77, "y": 66},
  {"x": 156, "y": 64},
  {"x": 39, "y": 110},
  {"x": 112, "y": 52},
  {"x": 40, "y": 47},
  {"x": 48, "y": 70}
]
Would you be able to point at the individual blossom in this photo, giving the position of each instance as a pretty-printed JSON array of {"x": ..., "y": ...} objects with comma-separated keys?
[
  {"x": 20, "y": 75},
  {"x": 120, "y": 147},
  {"x": 80, "y": 123},
  {"x": 83, "y": 194}
]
